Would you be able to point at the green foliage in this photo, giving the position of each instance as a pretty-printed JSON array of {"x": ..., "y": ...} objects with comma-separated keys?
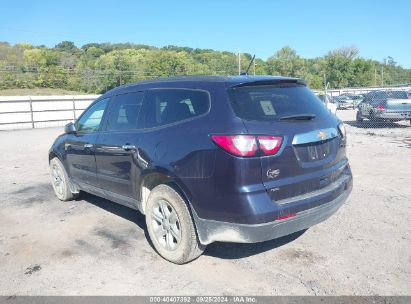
[
  {"x": 98, "y": 67},
  {"x": 66, "y": 46}
]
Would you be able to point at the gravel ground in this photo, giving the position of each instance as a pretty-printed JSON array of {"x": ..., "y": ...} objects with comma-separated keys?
[{"x": 95, "y": 247}]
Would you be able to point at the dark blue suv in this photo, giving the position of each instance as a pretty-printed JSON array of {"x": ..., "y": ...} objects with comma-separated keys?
[{"x": 234, "y": 159}]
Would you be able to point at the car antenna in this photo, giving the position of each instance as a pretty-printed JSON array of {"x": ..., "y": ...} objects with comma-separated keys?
[{"x": 251, "y": 62}]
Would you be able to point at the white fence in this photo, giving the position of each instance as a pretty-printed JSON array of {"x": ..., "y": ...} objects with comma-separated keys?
[{"x": 24, "y": 112}]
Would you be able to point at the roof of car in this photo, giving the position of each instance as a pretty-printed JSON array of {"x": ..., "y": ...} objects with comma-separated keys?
[
  {"x": 204, "y": 78},
  {"x": 230, "y": 80}
]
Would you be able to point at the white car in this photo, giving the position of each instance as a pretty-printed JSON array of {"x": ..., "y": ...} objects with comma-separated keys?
[{"x": 329, "y": 102}]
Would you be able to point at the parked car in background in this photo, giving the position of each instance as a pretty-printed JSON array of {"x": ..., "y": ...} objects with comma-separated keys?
[
  {"x": 344, "y": 102},
  {"x": 235, "y": 159},
  {"x": 385, "y": 106},
  {"x": 356, "y": 100},
  {"x": 328, "y": 101}
]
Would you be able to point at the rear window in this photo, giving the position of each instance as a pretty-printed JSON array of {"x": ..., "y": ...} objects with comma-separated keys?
[
  {"x": 268, "y": 103},
  {"x": 389, "y": 94}
]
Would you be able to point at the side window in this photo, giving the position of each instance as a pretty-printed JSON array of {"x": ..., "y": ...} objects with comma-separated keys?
[
  {"x": 91, "y": 119},
  {"x": 124, "y": 111},
  {"x": 167, "y": 106}
]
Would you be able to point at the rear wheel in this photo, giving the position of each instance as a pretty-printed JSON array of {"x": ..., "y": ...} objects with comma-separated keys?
[
  {"x": 170, "y": 226},
  {"x": 358, "y": 117},
  {"x": 60, "y": 181}
]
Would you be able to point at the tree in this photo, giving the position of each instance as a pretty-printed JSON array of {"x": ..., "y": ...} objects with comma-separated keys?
[
  {"x": 286, "y": 62},
  {"x": 66, "y": 46},
  {"x": 339, "y": 67},
  {"x": 98, "y": 67}
]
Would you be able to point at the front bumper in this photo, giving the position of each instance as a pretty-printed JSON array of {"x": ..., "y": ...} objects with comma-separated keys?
[{"x": 210, "y": 231}]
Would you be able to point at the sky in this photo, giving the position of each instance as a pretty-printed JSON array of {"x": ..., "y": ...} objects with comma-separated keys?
[{"x": 378, "y": 28}]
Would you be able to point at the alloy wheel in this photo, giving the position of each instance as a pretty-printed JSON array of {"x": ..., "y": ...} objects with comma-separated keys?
[{"x": 166, "y": 225}]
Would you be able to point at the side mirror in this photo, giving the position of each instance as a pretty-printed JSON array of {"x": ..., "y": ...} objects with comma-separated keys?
[{"x": 70, "y": 128}]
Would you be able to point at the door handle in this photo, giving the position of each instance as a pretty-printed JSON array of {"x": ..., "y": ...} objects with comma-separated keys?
[
  {"x": 88, "y": 146},
  {"x": 128, "y": 147}
]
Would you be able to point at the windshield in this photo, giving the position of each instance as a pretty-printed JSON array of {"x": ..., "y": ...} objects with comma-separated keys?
[{"x": 268, "y": 103}]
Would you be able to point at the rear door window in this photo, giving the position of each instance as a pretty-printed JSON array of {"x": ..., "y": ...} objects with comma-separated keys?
[
  {"x": 168, "y": 106},
  {"x": 271, "y": 102},
  {"x": 124, "y": 111}
]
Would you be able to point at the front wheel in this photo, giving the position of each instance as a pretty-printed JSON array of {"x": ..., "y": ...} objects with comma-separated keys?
[
  {"x": 60, "y": 181},
  {"x": 170, "y": 226},
  {"x": 358, "y": 117}
]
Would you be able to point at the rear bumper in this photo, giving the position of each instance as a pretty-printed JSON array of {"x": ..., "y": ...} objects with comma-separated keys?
[
  {"x": 394, "y": 115},
  {"x": 345, "y": 106},
  {"x": 210, "y": 231}
]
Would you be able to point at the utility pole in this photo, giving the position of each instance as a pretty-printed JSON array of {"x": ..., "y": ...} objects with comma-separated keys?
[
  {"x": 375, "y": 76},
  {"x": 254, "y": 67},
  {"x": 239, "y": 63},
  {"x": 325, "y": 89},
  {"x": 382, "y": 71}
]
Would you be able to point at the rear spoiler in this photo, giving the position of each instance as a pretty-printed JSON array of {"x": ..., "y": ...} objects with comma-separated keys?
[{"x": 271, "y": 82}]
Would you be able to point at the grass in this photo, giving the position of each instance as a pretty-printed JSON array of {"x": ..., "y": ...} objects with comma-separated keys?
[{"x": 38, "y": 91}]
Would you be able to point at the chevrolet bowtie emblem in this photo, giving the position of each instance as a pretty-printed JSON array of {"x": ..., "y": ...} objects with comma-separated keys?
[{"x": 322, "y": 135}]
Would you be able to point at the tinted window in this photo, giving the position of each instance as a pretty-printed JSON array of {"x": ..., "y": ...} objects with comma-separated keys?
[
  {"x": 389, "y": 94},
  {"x": 355, "y": 97},
  {"x": 124, "y": 111},
  {"x": 266, "y": 103},
  {"x": 91, "y": 119},
  {"x": 166, "y": 106}
]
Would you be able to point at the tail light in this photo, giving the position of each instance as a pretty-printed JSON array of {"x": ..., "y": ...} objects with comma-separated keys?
[
  {"x": 343, "y": 132},
  {"x": 269, "y": 144},
  {"x": 239, "y": 145},
  {"x": 380, "y": 108},
  {"x": 246, "y": 145}
]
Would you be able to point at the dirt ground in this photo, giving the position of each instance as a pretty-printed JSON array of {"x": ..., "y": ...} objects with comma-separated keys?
[{"x": 95, "y": 247}]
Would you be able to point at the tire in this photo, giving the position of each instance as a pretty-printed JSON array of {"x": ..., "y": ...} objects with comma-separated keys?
[
  {"x": 60, "y": 181},
  {"x": 358, "y": 117},
  {"x": 171, "y": 227},
  {"x": 371, "y": 117}
]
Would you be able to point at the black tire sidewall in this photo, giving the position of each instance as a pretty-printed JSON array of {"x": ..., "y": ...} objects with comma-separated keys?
[
  {"x": 183, "y": 251},
  {"x": 358, "y": 117},
  {"x": 66, "y": 193}
]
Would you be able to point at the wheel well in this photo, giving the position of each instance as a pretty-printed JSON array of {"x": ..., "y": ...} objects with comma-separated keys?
[
  {"x": 51, "y": 156},
  {"x": 155, "y": 179},
  {"x": 149, "y": 182}
]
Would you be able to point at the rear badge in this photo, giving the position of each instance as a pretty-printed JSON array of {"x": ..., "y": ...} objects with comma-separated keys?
[{"x": 273, "y": 173}]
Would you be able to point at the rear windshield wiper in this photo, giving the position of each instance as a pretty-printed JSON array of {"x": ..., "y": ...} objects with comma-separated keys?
[{"x": 298, "y": 117}]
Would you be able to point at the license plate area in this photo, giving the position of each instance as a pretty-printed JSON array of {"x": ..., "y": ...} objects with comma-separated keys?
[{"x": 313, "y": 151}]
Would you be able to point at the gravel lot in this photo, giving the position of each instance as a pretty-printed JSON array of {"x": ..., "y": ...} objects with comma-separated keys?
[{"x": 94, "y": 247}]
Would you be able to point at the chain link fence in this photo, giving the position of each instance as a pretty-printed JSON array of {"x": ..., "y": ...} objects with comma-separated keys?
[
  {"x": 372, "y": 111},
  {"x": 384, "y": 110}
]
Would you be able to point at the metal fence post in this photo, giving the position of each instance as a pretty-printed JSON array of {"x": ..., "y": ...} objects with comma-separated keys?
[
  {"x": 74, "y": 109},
  {"x": 31, "y": 113}
]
